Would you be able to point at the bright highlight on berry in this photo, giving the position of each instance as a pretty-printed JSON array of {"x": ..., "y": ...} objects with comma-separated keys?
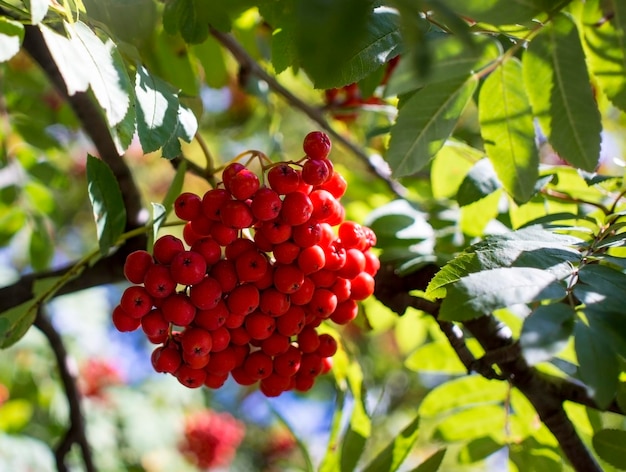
[{"x": 264, "y": 262}]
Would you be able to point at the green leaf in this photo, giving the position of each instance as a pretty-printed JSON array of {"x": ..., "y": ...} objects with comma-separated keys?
[
  {"x": 506, "y": 126},
  {"x": 12, "y": 220},
  {"x": 495, "y": 12},
  {"x": 449, "y": 167},
  {"x": 546, "y": 332},
  {"x": 433, "y": 462},
  {"x": 425, "y": 122},
  {"x": 11, "y": 36},
  {"x": 557, "y": 82},
  {"x": 601, "y": 286},
  {"x": 107, "y": 77},
  {"x": 478, "y": 449},
  {"x": 213, "y": 62},
  {"x": 15, "y": 322},
  {"x": 172, "y": 63},
  {"x": 399, "y": 220},
  {"x": 462, "y": 393},
  {"x": 598, "y": 363},
  {"x": 471, "y": 423},
  {"x": 451, "y": 58},
  {"x": 393, "y": 455},
  {"x": 107, "y": 203},
  {"x": 438, "y": 357},
  {"x": 528, "y": 247},
  {"x": 479, "y": 182},
  {"x": 161, "y": 119},
  {"x": 605, "y": 47},
  {"x": 610, "y": 444},
  {"x": 483, "y": 292},
  {"x": 41, "y": 245}
]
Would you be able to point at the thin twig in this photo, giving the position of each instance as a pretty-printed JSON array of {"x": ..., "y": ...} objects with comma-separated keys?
[
  {"x": 76, "y": 433},
  {"x": 252, "y": 66}
]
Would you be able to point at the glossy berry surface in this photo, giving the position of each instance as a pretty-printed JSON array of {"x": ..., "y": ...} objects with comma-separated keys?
[{"x": 264, "y": 261}]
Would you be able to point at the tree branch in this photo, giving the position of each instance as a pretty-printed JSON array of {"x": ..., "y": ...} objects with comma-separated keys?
[
  {"x": 76, "y": 433},
  {"x": 247, "y": 62}
]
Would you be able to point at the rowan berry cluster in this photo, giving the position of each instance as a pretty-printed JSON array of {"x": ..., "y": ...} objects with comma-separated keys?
[
  {"x": 263, "y": 266},
  {"x": 211, "y": 439}
]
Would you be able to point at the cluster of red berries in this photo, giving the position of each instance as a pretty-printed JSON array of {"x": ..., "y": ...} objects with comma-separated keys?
[
  {"x": 96, "y": 375},
  {"x": 211, "y": 439},
  {"x": 344, "y": 102},
  {"x": 264, "y": 267}
]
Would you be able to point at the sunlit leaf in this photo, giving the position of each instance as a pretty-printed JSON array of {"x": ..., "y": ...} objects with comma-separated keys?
[
  {"x": 610, "y": 444},
  {"x": 433, "y": 462},
  {"x": 211, "y": 56},
  {"x": 108, "y": 79},
  {"x": 546, "y": 332},
  {"x": 15, "y": 415},
  {"x": 471, "y": 423},
  {"x": 394, "y": 454},
  {"x": 438, "y": 357},
  {"x": 605, "y": 47},
  {"x": 11, "y": 36},
  {"x": 506, "y": 126},
  {"x": 599, "y": 366},
  {"x": 458, "y": 394},
  {"x": 557, "y": 82},
  {"x": 478, "y": 449},
  {"x": 425, "y": 122},
  {"x": 107, "y": 203},
  {"x": 482, "y": 292},
  {"x": 449, "y": 167}
]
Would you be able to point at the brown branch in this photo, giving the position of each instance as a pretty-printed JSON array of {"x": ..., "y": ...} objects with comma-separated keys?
[
  {"x": 253, "y": 67},
  {"x": 76, "y": 433}
]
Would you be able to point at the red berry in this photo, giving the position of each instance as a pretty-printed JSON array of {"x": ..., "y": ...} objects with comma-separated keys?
[
  {"x": 316, "y": 145},
  {"x": 276, "y": 231},
  {"x": 327, "y": 346},
  {"x": 188, "y": 268},
  {"x": 287, "y": 364},
  {"x": 154, "y": 324},
  {"x": 303, "y": 295},
  {"x": 230, "y": 171},
  {"x": 243, "y": 184},
  {"x": 275, "y": 345},
  {"x": 307, "y": 234},
  {"x": 166, "y": 247},
  {"x": 236, "y": 214},
  {"x": 266, "y": 204},
  {"x": 311, "y": 259},
  {"x": 123, "y": 322},
  {"x": 212, "y": 202},
  {"x": 196, "y": 341},
  {"x": 222, "y": 234},
  {"x": 362, "y": 286},
  {"x": 221, "y": 339},
  {"x": 273, "y": 302},
  {"x": 159, "y": 282},
  {"x": 258, "y": 365},
  {"x": 315, "y": 172},
  {"x": 206, "y": 294},
  {"x": 325, "y": 205},
  {"x": 136, "y": 265},
  {"x": 354, "y": 265},
  {"x": 297, "y": 208},
  {"x": 286, "y": 252},
  {"x": 283, "y": 179},
  {"x": 209, "y": 249},
  {"x": 225, "y": 273},
  {"x": 212, "y": 318},
  {"x": 345, "y": 312},
  {"x": 323, "y": 303},
  {"x": 288, "y": 278},
  {"x": 243, "y": 299},
  {"x": 190, "y": 377},
  {"x": 251, "y": 266},
  {"x": 187, "y": 206},
  {"x": 336, "y": 185},
  {"x": 291, "y": 322},
  {"x": 221, "y": 363},
  {"x": 136, "y": 301},
  {"x": 166, "y": 359},
  {"x": 178, "y": 309},
  {"x": 308, "y": 339},
  {"x": 259, "y": 325}
]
